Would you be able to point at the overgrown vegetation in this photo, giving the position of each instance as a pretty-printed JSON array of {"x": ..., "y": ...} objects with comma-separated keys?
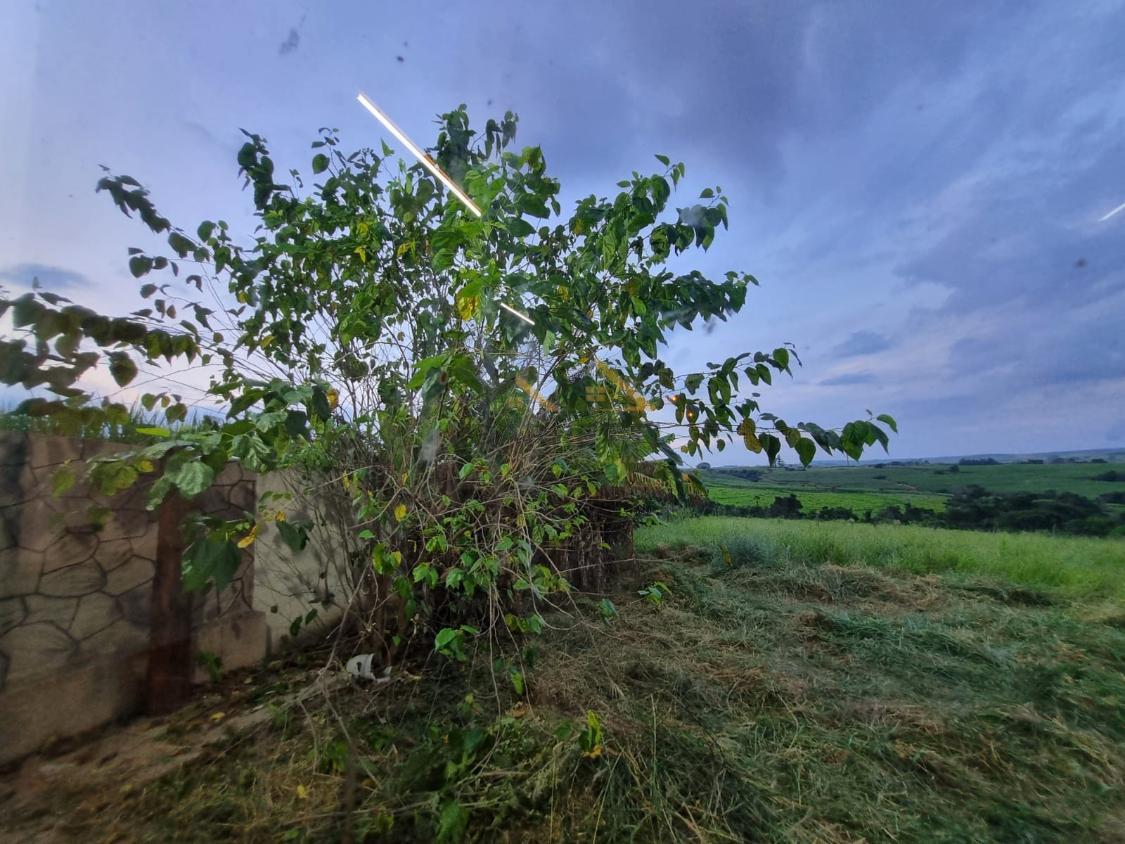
[
  {"x": 472, "y": 395},
  {"x": 780, "y": 690}
]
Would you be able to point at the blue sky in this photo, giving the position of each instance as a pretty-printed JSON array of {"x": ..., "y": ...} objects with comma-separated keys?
[{"x": 918, "y": 186}]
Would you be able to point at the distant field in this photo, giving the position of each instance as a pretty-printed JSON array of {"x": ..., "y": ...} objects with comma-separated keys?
[
  {"x": 740, "y": 493},
  {"x": 862, "y": 488},
  {"x": 1006, "y": 477}
]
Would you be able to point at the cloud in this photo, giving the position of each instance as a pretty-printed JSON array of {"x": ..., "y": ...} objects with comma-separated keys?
[
  {"x": 848, "y": 378},
  {"x": 53, "y": 278},
  {"x": 862, "y": 343}
]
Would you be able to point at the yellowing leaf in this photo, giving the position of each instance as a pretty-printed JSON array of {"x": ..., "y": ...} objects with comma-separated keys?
[
  {"x": 362, "y": 253},
  {"x": 749, "y": 437},
  {"x": 218, "y": 716},
  {"x": 467, "y": 305},
  {"x": 333, "y": 396},
  {"x": 145, "y": 465},
  {"x": 302, "y": 792},
  {"x": 248, "y": 540},
  {"x": 400, "y": 512}
]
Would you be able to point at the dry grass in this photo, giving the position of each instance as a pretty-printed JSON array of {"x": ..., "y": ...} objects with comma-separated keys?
[{"x": 758, "y": 701}]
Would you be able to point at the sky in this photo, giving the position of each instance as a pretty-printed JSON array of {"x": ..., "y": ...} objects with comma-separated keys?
[{"x": 925, "y": 191}]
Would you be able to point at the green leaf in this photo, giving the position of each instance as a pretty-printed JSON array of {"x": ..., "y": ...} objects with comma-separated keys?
[
  {"x": 663, "y": 159},
  {"x": 62, "y": 480},
  {"x": 518, "y": 227},
  {"x": 139, "y": 265},
  {"x": 211, "y": 559},
  {"x": 319, "y": 163},
  {"x": 193, "y": 477},
  {"x": 154, "y": 432},
  {"x": 180, "y": 243},
  {"x": 771, "y": 445},
  {"x": 122, "y": 368},
  {"x": 445, "y": 636},
  {"x": 806, "y": 450},
  {"x": 889, "y": 421},
  {"x": 294, "y": 534},
  {"x": 452, "y": 822}
]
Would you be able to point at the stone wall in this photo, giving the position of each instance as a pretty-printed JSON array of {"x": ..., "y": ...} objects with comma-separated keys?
[{"x": 76, "y": 577}]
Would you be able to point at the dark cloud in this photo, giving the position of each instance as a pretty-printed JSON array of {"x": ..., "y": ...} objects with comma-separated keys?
[
  {"x": 1031, "y": 351},
  {"x": 917, "y": 182},
  {"x": 849, "y": 378},
  {"x": 53, "y": 278},
  {"x": 1029, "y": 235},
  {"x": 862, "y": 343}
]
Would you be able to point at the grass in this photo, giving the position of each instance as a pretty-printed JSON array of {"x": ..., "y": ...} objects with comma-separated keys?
[
  {"x": 785, "y": 690},
  {"x": 1076, "y": 566}
]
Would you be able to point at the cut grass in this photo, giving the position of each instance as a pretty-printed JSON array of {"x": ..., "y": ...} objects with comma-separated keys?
[
  {"x": 781, "y": 692},
  {"x": 1076, "y": 566}
]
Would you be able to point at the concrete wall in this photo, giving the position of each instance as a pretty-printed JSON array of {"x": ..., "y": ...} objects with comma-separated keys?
[
  {"x": 288, "y": 583},
  {"x": 76, "y": 589}
]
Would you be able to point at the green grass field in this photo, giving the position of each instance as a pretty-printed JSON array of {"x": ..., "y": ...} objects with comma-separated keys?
[
  {"x": 797, "y": 682},
  {"x": 1004, "y": 477},
  {"x": 870, "y": 488},
  {"x": 739, "y": 493}
]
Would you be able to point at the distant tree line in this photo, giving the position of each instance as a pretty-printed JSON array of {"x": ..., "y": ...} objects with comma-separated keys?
[{"x": 970, "y": 508}]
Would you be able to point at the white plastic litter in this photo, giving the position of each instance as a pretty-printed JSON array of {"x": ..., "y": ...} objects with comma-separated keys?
[{"x": 361, "y": 666}]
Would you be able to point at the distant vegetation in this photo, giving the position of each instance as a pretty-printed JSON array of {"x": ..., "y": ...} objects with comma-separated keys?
[{"x": 976, "y": 493}]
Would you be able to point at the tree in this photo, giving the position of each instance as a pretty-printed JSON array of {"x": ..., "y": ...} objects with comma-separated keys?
[
  {"x": 786, "y": 507},
  {"x": 466, "y": 385}
]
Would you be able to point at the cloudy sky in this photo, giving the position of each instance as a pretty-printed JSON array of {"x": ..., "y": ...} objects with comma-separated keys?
[{"x": 920, "y": 187}]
